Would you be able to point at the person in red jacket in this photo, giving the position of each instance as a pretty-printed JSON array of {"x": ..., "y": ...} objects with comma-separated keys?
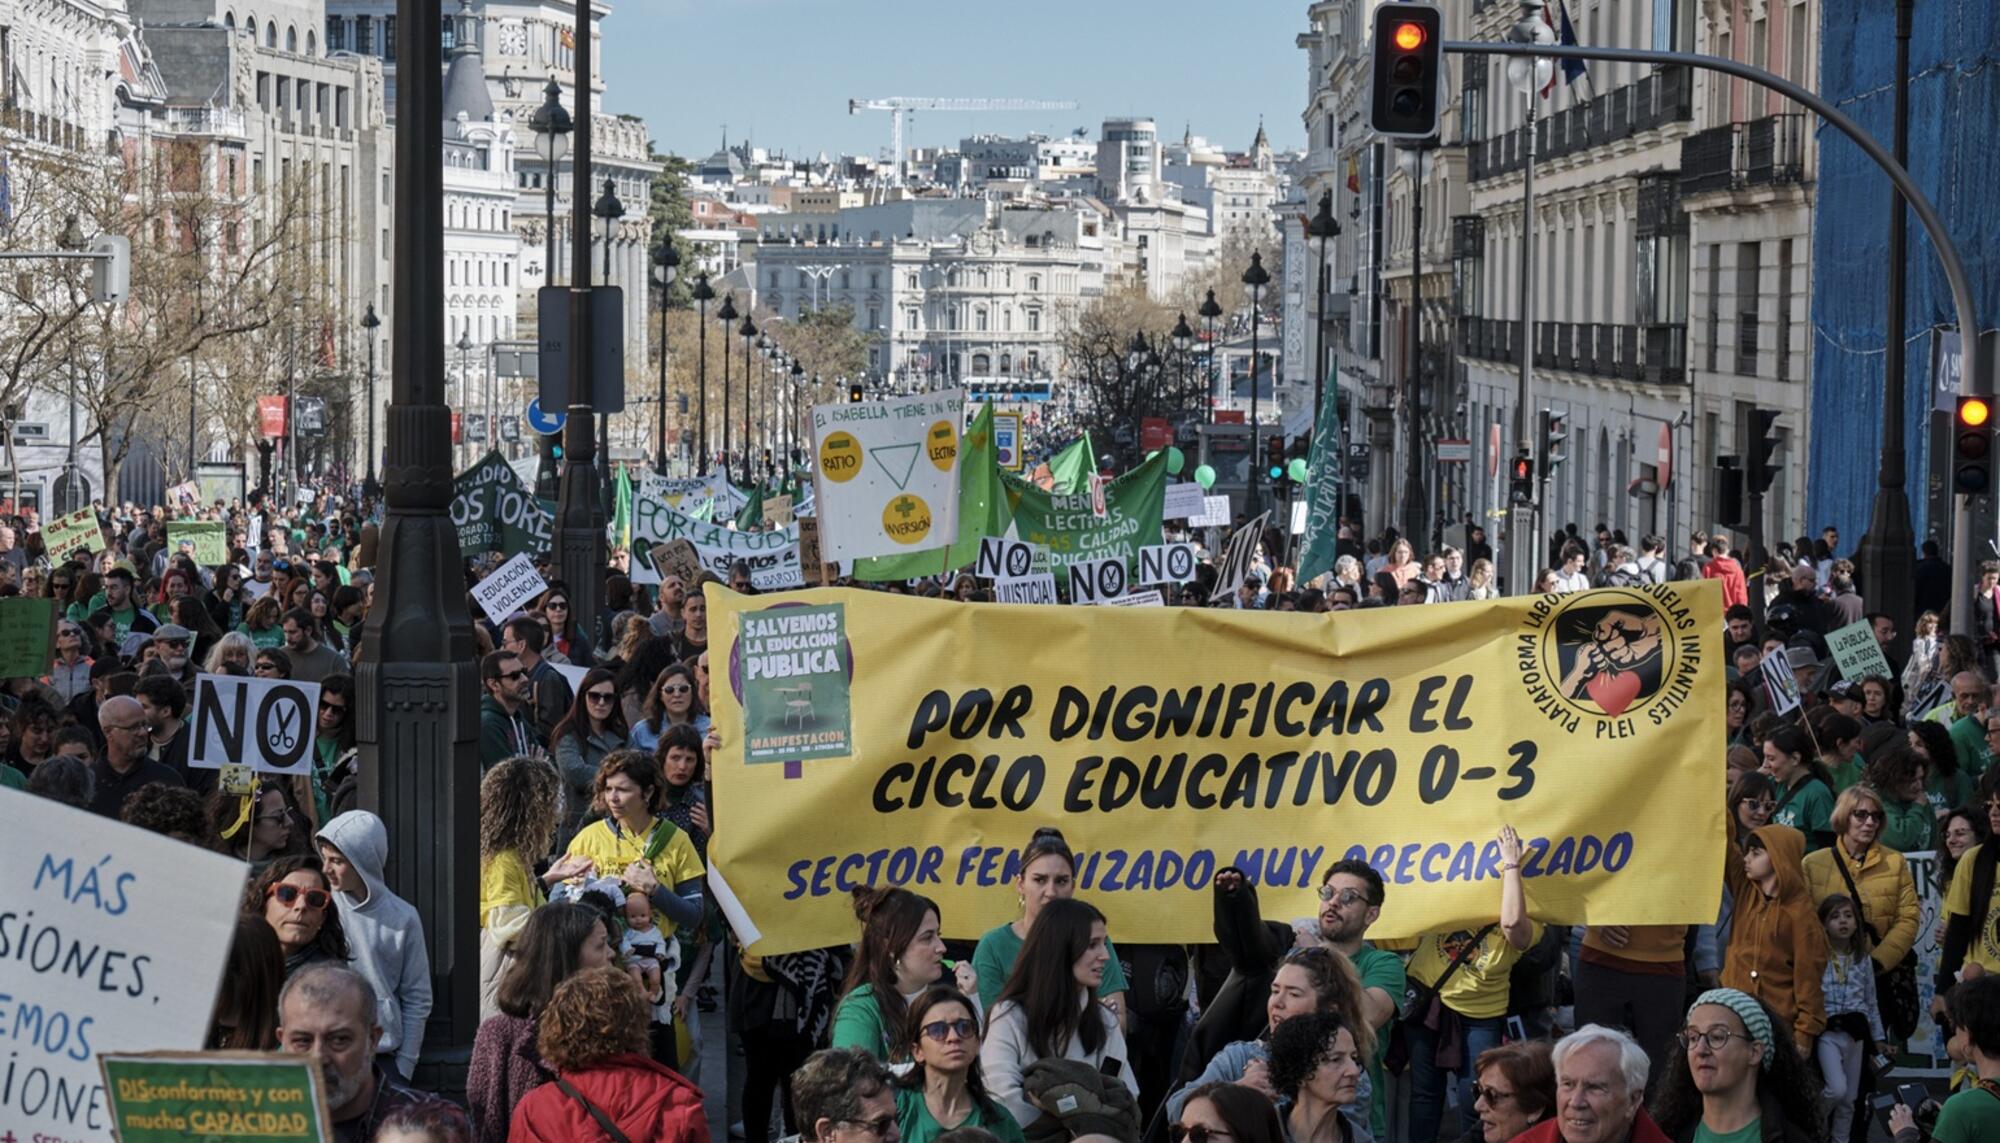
[
  {"x": 1723, "y": 566},
  {"x": 593, "y": 1033}
]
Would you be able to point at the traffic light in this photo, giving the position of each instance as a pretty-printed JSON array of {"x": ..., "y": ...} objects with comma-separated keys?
[
  {"x": 854, "y": 393},
  {"x": 1274, "y": 455},
  {"x": 1972, "y": 447},
  {"x": 1521, "y": 478},
  {"x": 1554, "y": 441},
  {"x": 1409, "y": 71},
  {"x": 111, "y": 269},
  {"x": 1763, "y": 446},
  {"x": 1729, "y": 491},
  {"x": 769, "y": 464}
]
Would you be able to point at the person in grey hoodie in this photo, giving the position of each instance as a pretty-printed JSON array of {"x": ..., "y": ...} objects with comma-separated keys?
[{"x": 384, "y": 933}]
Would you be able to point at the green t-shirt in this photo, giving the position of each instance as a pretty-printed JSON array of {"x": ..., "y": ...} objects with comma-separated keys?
[
  {"x": 995, "y": 956},
  {"x": 1971, "y": 1116},
  {"x": 1379, "y": 968},
  {"x": 1847, "y": 774},
  {"x": 11, "y": 778},
  {"x": 1808, "y": 809},
  {"x": 1750, "y": 1132},
  {"x": 918, "y": 1125},
  {"x": 1968, "y": 735},
  {"x": 1911, "y": 828},
  {"x": 857, "y": 1023}
]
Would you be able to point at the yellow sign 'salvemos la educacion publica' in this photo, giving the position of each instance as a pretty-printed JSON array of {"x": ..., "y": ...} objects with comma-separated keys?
[{"x": 1168, "y": 744}]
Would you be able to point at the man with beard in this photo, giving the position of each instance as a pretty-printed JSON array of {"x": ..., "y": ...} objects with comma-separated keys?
[
  {"x": 327, "y": 1011},
  {"x": 126, "y": 616},
  {"x": 173, "y": 640}
]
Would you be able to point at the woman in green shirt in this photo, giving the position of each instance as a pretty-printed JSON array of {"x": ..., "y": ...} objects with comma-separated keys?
[
  {"x": 944, "y": 1091},
  {"x": 1731, "y": 1079},
  {"x": 1048, "y": 873},
  {"x": 901, "y": 956},
  {"x": 1805, "y": 796},
  {"x": 1900, "y": 776}
]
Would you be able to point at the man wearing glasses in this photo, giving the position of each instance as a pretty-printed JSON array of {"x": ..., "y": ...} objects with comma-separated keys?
[
  {"x": 125, "y": 766},
  {"x": 504, "y": 729},
  {"x": 549, "y": 694},
  {"x": 843, "y": 1095}
]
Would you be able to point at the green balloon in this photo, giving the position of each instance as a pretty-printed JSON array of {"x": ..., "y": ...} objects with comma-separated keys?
[
  {"x": 1297, "y": 469},
  {"x": 1205, "y": 476},
  {"x": 1176, "y": 460}
]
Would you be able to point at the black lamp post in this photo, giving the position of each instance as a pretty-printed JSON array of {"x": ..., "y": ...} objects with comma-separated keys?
[
  {"x": 726, "y": 315},
  {"x": 551, "y": 126},
  {"x": 748, "y": 331},
  {"x": 1256, "y": 277},
  {"x": 703, "y": 294},
  {"x": 579, "y": 530},
  {"x": 792, "y": 420},
  {"x": 768, "y": 350},
  {"x": 608, "y": 208},
  {"x": 1323, "y": 225},
  {"x": 464, "y": 347},
  {"x": 1209, "y": 311},
  {"x": 1183, "y": 340},
  {"x": 370, "y": 487},
  {"x": 669, "y": 262}
]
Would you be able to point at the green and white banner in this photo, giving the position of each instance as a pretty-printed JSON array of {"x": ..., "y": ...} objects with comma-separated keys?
[
  {"x": 1077, "y": 528},
  {"x": 1316, "y": 553},
  {"x": 773, "y": 556},
  {"x": 494, "y": 512}
]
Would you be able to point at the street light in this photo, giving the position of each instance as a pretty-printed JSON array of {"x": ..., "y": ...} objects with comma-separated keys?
[
  {"x": 726, "y": 315},
  {"x": 703, "y": 294},
  {"x": 608, "y": 208},
  {"x": 1256, "y": 277},
  {"x": 1183, "y": 339},
  {"x": 551, "y": 126},
  {"x": 71, "y": 493},
  {"x": 464, "y": 347},
  {"x": 1323, "y": 226},
  {"x": 768, "y": 350},
  {"x": 1528, "y": 76},
  {"x": 792, "y": 421},
  {"x": 369, "y": 324},
  {"x": 748, "y": 330},
  {"x": 1209, "y": 311},
  {"x": 669, "y": 262}
]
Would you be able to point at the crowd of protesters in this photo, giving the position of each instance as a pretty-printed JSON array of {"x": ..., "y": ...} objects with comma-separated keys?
[{"x": 601, "y": 947}]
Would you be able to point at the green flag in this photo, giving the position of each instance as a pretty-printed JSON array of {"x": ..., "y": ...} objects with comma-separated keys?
[
  {"x": 982, "y": 512},
  {"x": 1068, "y": 524},
  {"x": 621, "y": 514},
  {"x": 753, "y": 509},
  {"x": 1317, "y": 547},
  {"x": 1073, "y": 466}
]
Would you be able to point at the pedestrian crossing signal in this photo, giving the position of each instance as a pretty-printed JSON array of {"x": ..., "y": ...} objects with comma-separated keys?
[{"x": 1521, "y": 479}]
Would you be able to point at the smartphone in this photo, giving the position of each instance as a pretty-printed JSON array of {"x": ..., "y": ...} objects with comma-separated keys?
[
  {"x": 1882, "y": 1102},
  {"x": 1517, "y": 1032},
  {"x": 1911, "y": 1095}
]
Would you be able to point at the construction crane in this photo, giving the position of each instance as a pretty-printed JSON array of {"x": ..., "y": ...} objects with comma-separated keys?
[{"x": 899, "y": 108}]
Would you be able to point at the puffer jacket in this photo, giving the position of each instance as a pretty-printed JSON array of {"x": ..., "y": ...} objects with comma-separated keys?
[
  {"x": 1777, "y": 949},
  {"x": 1888, "y": 896},
  {"x": 649, "y": 1103}
]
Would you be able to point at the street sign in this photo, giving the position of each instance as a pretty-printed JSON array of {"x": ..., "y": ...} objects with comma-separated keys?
[
  {"x": 510, "y": 429},
  {"x": 607, "y": 347},
  {"x": 30, "y": 432},
  {"x": 475, "y": 428},
  {"x": 312, "y": 417},
  {"x": 547, "y": 424},
  {"x": 1454, "y": 450}
]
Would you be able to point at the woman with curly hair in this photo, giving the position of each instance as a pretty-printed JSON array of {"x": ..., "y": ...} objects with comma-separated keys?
[
  {"x": 560, "y": 940},
  {"x": 1316, "y": 1066},
  {"x": 901, "y": 955},
  {"x": 1736, "y": 1067},
  {"x": 293, "y": 896},
  {"x": 263, "y": 622},
  {"x": 943, "y": 1090},
  {"x": 517, "y": 820},
  {"x": 593, "y": 1034},
  {"x": 1949, "y": 783}
]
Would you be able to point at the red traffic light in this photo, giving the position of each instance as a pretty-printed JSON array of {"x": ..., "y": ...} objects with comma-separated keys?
[
  {"x": 1974, "y": 412},
  {"x": 1408, "y": 36},
  {"x": 1524, "y": 469}
]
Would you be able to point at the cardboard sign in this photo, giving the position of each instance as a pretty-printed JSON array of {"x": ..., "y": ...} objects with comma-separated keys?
[
  {"x": 512, "y": 584},
  {"x": 1781, "y": 686},
  {"x": 185, "y": 495},
  {"x": 210, "y": 540},
  {"x": 1004, "y": 561},
  {"x": 1096, "y": 581},
  {"x": 169, "y": 1097},
  {"x": 1859, "y": 655},
  {"x": 678, "y": 558},
  {"x": 1167, "y": 563},
  {"x": 152, "y": 917},
  {"x": 27, "y": 637},
  {"x": 777, "y": 511},
  {"x": 885, "y": 474},
  {"x": 772, "y": 555},
  {"x": 267, "y": 724},
  {"x": 1033, "y": 589},
  {"x": 75, "y": 534},
  {"x": 1214, "y": 513},
  {"x": 1184, "y": 501},
  {"x": 809, "y": 558}
]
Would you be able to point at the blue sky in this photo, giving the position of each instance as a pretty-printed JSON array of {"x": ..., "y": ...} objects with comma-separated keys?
[{"x": 781, "y": 71}]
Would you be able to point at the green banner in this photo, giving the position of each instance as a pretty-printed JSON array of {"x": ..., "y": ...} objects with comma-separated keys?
[
  {"x": 1073, "y": 467},
  {"x": 795, "y": 663},
  {"x": 170, "y": 1097},
  {"x": 494, "y": 513},
  {"x": 1073, "y": 531},
  {"x": 75, "y": 534},
  {"x": 1323, "y": 482},
  {"x": 982, "y": 512},
  {"x": 210, "y": 540},
  {"x": 27, "y": 637}
]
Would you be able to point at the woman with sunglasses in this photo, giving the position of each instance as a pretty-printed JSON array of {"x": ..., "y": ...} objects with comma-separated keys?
[
  {"x": 671, "y": 702},
  {"x": 335, "y": 752},
  {"x": 1227, "y": 1111},
  {"x": 294, "y": 898},
  {"x": 69, "y": 672},
  {"x": 272, "y": 663},
  {"x": 1735, "y": 1074},
  {"x": 566, "y": 637},
  {"x": 1316, "y": 1070},
  {"x": 1885, "y": 899},
  {"x": 593, "y": 728},
  {"x": 255, "y": 828},
  {"x": 943, "y": 1090},
  {"x": 1516, "y": 1089}
]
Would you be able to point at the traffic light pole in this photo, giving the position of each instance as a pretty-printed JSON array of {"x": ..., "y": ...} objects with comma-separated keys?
[
  {"x": 1416, "y": 518},
  {"x": 1978, "y": 375}
]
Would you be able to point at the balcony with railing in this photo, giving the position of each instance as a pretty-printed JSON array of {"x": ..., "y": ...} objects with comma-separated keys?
[
  {"x": 1659, "y": 99},
  {"x": 1655, "y": 354},
  {"x": 1736, "y": 156}
]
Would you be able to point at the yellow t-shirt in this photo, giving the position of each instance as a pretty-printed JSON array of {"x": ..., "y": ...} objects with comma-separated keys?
[
  {"x": 1958, "y": 899},
  {"x": 505, "y": 881},
  {"x": 1479, "y": 988},
  {"x": 613, "y": 850}
]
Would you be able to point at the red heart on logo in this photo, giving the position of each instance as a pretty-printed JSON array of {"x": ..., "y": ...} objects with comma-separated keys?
[{"x": 1613, "y": 691}]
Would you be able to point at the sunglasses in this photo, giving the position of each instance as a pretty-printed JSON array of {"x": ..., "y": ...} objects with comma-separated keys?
[
  {"x": 600, "y": 696},
  {"x": 1494, "y": 1097},
  {"x": 337, "y": 707},
  {"x": 288, "y": 895},
  {"x": 1867, "y": 815},
  {"x": 510, "y": 676},
  {"x": 675, "y": 689},
  {"x": 1345, "y": 897},
  {"x": 558, "y": 605},
  {"x": 1199, "y": 1133},
  {"x": 941, "y": 1029}
]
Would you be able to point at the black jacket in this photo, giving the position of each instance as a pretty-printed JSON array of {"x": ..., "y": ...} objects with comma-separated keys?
[{"x": 1253, "y": 947}]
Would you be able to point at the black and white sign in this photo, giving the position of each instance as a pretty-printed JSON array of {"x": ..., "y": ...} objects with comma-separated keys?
[
  {"x": 1097, "y": 581},
  {"x": 1003, "y": 561},
  {"x": 512, "y": 584},
  {"x": 1184, "y": 501},
  {"x": 1148, "y": 598},
  {"x": 1034, "y": 589},
  {"x": 1781, "y": 685},
  {"x": 1236, "y": 560},
  {"x": 265, "y": 724},
  {"x": 1166, "y": 563}
]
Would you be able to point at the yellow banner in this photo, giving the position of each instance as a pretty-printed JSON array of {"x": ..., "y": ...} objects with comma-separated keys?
[{"x": 898, "y": 740}]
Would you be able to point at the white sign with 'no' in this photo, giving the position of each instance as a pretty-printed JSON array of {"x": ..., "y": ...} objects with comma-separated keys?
[{"x": 265, "y": 724}]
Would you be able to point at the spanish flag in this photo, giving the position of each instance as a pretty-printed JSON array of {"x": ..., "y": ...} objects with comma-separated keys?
[
  {"x": 567, "y": 37},
  {"x": 1353, "y": 176}
]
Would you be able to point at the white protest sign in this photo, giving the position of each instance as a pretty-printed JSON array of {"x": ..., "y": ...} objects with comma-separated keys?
[
  {"x": 772, "y": 555},
  {"x": 1148, "y": 598},
  {"x": 1003, "y": 561},
  {"x": 1856, "y": 651},
  {"x": 1034, "y": 589},
  {"x": 1167, "y": 563},
  {"x": 1184, "y": 502},
  {"x": 1214, "y": 513},
  {"x": 1096, "y": 581},
  {"x": 265, "y": 724},
  {"x": 571, "y": 675},
  {"x": 1780, "y": 684},
  {"x": 691, "y": 494},
  {"x": 115, "y": 941},
  {"x": 512, "y": 584},
  {"x": 1299, "y": 508},
  {"x": 886, "y": 474}
]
